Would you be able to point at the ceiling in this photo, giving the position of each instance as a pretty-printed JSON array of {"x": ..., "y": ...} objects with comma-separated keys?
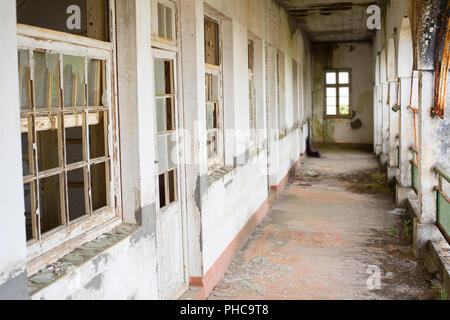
[{"x": 330, "y": 20}]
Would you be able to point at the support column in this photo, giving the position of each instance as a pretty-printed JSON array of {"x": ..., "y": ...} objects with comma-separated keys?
[
  {"x": 193, "y": 79},
  {"x": 13, "y": 275},
  {"x": 137, "y": 118},
  {"x": 394, "y": 131},
  {"x": 403, "y": 188},
  {"x": 433, "y": 151},
  {"x": 385, "y": 124}
]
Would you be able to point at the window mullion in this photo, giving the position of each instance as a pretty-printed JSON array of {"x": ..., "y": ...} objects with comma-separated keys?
[
  {"x": 35, "y": 208},
  {"x": 86, "y": 153}
]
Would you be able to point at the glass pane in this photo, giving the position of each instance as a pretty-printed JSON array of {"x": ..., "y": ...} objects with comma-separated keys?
[
  {"x": 344, "y": 78},
  {"x": 97, "y": 94},
  {"x": 28, "y": 219},
  {"x": 161, "y": 32},
  {"x": 162, "y": 152},
  {"x": 50, "y": 203},
  {"x": 74, "y": 138},
  {"x": 344, "y": 110},
  {"x": 215, "y": 88},
  {"x": 331, "y": 78},
  {"x": 161, "y": 115},
  {"x": 169, "y": 27},
  {"x": 162, "y": 190},
  {"x": 212, "y": 144},
  {"x": 47, "y": 143},
  {"x": 172, "y": 150},
  {"x": 76, "y": 195},
  {"x": 344, "y": 101},
  {"x": 331, "y": 101},
  {"x": 211, "y": 116},
  {"x": 331, "y": 92},
  {"x": 169, "y": 114},
  {"x": 331, "y": 111},
  {"x": 344, "y": 92},
  {"x": 97, "y": 143},
  {"x": 160, "y": 77},
  {"x": 74, "y": 79},
  {"x": 46, "y": 80},
  {"x": 24, "y": 79},
  {"x": 25, "y": 155},
  {"x": 98, "y": 186},
  {"x": 172, "y": 186}
]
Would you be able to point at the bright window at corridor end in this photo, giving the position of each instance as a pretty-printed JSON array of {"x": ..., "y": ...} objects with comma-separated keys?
[{"x": 337, "y": 93}]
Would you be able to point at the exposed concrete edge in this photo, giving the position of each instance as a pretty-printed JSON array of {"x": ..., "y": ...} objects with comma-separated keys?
[
  {"x": 413, "y": 208},
  {"x": 218, "y": 269},
  {"x": 78, "y": 264},
  {"x": 438, "y": 260}
]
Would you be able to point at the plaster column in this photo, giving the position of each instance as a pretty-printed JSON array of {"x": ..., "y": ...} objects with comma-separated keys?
[
  {"x": 193, "y": 79},
  {"x": 434, "y": 150},
  {"x": 403, "y": 187},
  {"x": 13, "y": 275},
  {"x": 137, "y": 118},
  {"x": 394, "y": 131},
  {"x": 385, "y": 124}
]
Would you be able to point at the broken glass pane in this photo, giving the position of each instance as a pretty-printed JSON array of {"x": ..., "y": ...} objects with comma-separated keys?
[
  {"x": 76, "y": 195},
  {"x": 98, "y": 186},
  {"x": 50, "y": 203},
  {"x": 74, "y": 79},
  {"x": 46, "y": 79},
  {"x": 25, "y": 155},
  {"x": 74, "y": 140},
  {"x": 47, "y": 146},
  {"x": 28, "y": 219},
  {"x": 97, "y": 143},
  {"x": 97, "y": 94},
  {"x": 24, "y": 79}
]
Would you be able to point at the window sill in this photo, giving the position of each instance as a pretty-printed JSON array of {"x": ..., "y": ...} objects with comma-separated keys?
[
  {"x": 67, "y": 265},
  {"x": 217, "y": 174}
]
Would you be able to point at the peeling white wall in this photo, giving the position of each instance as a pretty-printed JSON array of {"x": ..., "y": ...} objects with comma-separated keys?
[{"x": 12, "y": 219}]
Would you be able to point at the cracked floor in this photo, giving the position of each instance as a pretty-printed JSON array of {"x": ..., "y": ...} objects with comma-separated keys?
[{"x": 323, "y": 238}]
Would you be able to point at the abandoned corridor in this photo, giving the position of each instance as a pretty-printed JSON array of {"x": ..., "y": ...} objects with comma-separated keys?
[{"x": 324, "y": 238}]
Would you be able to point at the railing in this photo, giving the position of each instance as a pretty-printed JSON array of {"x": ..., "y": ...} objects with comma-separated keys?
[
  {"x": 414, "y": 169},
  {"x": 443, "y": 204}
]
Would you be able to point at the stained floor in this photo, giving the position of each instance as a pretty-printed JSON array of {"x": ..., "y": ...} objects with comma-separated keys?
[{"x": 330, "y": 236}]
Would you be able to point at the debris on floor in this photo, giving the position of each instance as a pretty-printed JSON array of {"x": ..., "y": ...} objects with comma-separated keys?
[{"x": 399, "y": 212}]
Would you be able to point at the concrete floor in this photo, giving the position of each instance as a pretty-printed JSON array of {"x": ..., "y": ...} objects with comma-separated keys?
[{"x": 320, "y": 240}]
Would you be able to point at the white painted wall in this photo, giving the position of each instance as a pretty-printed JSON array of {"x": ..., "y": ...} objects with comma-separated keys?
[{"x": 12, "y": 219}]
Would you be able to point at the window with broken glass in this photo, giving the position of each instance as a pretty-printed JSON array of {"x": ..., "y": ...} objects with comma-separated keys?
[
  {"x": 166, "y": 131},
  {"x": 337, "y": 93},
  {"x": 213, "y": 87},
  {"x": 67, "y": 131},
  {"x": 163, "y": 24}
]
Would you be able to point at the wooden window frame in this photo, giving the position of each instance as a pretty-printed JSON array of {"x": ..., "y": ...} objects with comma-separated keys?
[
  {"x": 171, "y": 57},
  {"x": 217, "y": 161},
  {"x": 163, "y": 42},
  {"x": 252, "y": 97},
  {"x": 337, "y": 86},
  {"x": 49, "y": 247},
  {"x": 282, "y": 127}
]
